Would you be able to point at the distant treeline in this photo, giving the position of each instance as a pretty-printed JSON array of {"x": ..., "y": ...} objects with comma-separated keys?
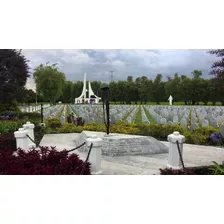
[{"x": 190, "y": 90}]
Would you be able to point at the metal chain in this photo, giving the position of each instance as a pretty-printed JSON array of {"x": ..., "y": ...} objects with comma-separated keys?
[{"x": 181, "y": 158}]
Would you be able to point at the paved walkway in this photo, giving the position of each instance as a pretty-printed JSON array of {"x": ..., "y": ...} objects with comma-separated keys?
[{"x": 193, "y": 155}]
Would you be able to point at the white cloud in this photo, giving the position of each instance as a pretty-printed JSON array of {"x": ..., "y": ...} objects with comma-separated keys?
[{"x": 98, "y": 63}]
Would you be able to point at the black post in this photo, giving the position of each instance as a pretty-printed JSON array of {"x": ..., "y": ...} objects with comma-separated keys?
[
  {"x": 41, "y": 113},
  {"x": 108, "y": 117},
  {"x": 105, "y": 97}
]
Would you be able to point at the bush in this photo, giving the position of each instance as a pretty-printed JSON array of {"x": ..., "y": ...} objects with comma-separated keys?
[
  {"x": 215, "y": 169},
  {"x": 200, "y": 136},
  {"x": 10, "y": 126},
  {"x": 54, "y": 123},
  {"x": 70, "y": 128},
  {"x": 8, "y": 142},
  {"x": 12, "y": 115},
  {"x": 27, "y": 115},
  {"x": 9, "y": 107},
  {"x": 46, "y": 161}
]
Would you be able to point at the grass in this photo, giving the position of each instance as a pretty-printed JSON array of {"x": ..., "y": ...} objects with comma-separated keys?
[
  {"x": 148, "y": 115},
  {"x": 60, "y": 113},
  {"x": 76, "y": 113},
  {"x": 167, "y": 103},
  {"x": 126, "y": 116},
  {"x": 138, "y": 118}
]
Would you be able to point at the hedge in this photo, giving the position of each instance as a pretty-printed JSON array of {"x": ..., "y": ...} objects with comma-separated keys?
[{"x": 200, "y": 136}]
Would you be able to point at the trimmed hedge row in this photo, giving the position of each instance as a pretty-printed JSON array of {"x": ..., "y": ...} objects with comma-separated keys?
[
  {"x": 17, "y": 115},
  {"x": 11, "y": 126},
  {"x": 200, "y": 136}
]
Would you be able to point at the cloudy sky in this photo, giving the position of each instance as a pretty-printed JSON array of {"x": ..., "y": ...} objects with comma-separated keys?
[{"x": 98, "y": 63}]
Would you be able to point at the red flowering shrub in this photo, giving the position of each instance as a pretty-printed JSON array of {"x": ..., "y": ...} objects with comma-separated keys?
[
  {"x": 204, "y": 170},
  {"x": 175, "y": 172},
  {"x": 8, "y": 142},
  {"x": 45, "y": 161}
]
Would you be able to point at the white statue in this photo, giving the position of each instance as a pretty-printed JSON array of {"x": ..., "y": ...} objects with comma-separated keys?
[{"x": 170, "y": 99}]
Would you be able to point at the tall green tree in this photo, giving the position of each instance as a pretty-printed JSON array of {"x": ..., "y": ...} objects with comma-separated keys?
[
  {"x": 196, "y": 74},
  {"x": 158, "y": 89},
  {"x": 14, "y": 71},
  {"x": 142, "y": 88},
  {"x": 218, "y": 73},
  {"x": 49, "y": 81},
  {"x": 172, "y": 87},
  {"x": 67, "y": 92}
]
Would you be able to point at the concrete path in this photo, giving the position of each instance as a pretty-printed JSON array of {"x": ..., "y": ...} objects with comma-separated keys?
[{"x": 193, "y": 155}]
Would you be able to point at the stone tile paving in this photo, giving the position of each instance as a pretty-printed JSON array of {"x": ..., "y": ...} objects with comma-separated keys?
[{"x": 193, "y": 155}]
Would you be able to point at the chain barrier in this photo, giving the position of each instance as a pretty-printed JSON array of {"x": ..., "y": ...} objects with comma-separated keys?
[
  {"x": 87, "y": 158},
  {"x": 181, "y": 158}
]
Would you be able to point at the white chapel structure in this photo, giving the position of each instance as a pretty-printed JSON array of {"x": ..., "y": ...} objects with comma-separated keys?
[{"x": 91, "y": 99}]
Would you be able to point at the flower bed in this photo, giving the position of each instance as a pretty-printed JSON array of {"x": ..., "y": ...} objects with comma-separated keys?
[{"x": 215, "y": 169}]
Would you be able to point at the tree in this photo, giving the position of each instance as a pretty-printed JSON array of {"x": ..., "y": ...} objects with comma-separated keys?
[
  {"x": 172, "y": 87},
  {"x": 114, "y": 96},
  {"x": 67, "y": 92},
  {"x": 218, "y": 72},
  {"x": 130, "y": 78},
  {"x": 196, "y": 74},
  {"x": 142, "y": 88},
  {"x": 49, "y": 81},
  {"x": 158, "y": 89},
  {"x": 29, "y": 96},
  {"x": 14, "y": 71}
]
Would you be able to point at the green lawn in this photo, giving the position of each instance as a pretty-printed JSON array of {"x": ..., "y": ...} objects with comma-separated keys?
[
  {"x": 148, "y": 115},
  {"x": 138, "y": 118},
  {"x": 167, "y": 103},
  {"x": 126, "y": 116}
]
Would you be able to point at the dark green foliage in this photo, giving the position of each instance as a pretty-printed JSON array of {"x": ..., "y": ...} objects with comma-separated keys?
[
  {"x": 218, "y": 73},
  {"x": 49, "y": 82},
  {"x": 14, "y": 72},
  {"x": 190, "y": 90}
]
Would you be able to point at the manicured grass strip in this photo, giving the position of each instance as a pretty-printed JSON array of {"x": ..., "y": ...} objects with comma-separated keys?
[
  {"x": 189, "y": 118},
  {"x": 148, "y": 115},
  {"x": 138, "y": 117},
  {"x": 59, "y": 115},
  {"x": 167, "y": 103},
  {"x": 126, "y": 116},
  {"x": 72, "y": 109}
]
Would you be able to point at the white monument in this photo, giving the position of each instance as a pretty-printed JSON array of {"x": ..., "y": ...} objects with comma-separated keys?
[
  {"x": 170, "y": 100},
  {"x": 92, "y": 98}
]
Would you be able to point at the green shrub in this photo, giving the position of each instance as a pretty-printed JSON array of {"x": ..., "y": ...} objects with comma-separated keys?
[
  {"x": 70, "y": 128},
  {"x": 54, "y": 123},
  {"x": 10, "y": 126},
  {"x": 200, "y": 136},
  {"x": 9, "y": 107},
  {"x": 217, "y": 169},
  {"x": 27, "y": 115}
]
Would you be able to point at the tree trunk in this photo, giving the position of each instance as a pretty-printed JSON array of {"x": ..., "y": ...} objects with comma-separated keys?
[
  {"x": 185, "y": 102},
  {"x": 213, "y": 103},
  {"x": 222, "y": 102}
]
